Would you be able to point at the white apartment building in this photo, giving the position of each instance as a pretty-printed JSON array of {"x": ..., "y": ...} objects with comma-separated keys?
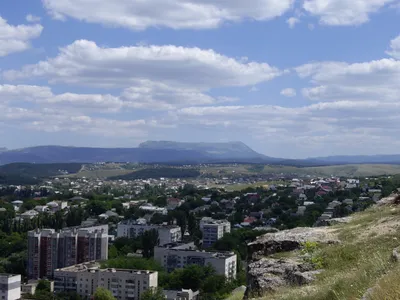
[
  {"x": 124, "y": 284},
  {"x": 177, "y": 256},
  {"x": 10, "y": 287},
  {"x": 181, "y": 295},
  {"x": 213, "y": 230},
  {"x": 133, "y": 228}
]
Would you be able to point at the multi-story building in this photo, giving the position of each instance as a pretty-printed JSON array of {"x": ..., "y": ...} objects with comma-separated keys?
[
  {"x": 213, "y": 230},
  {"x": 10, "y": 287},
  {"x": 167, "y": 234},
  {"x": 84, "y": 279},
  {"x": 181, "y": 295},
  {"x": 49, "y": 250},
  {"x": 177, "y": 256}
]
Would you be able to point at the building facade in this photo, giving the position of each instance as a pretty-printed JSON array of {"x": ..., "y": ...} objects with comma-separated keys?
[
  {"x": 213, "y": 230},
  {"x": 181, "y": 295},
  {"x": 178, "y": 256},
  {"x": 10, "y": 287},
  {"x": 49, "y": 250},
  {"x": 124, "y": 284},
  {"x": 133, "y": 228}
]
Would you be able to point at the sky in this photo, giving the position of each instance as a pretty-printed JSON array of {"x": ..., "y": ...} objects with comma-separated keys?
[{"x": 290, "y": 78}]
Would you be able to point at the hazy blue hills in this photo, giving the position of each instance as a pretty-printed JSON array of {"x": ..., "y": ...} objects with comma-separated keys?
[
  {"x": 60, "y": 154},
  {"x": 167, "y": 152},
  {"x": 228, "y": 150}
]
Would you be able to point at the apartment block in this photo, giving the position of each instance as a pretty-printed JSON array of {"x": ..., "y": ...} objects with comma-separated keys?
[
  {"x": 49, "y": 250},
  {"x": 10, "y": 287},
  {"x": 133, "y": 228},
  {"x": 181, "y": 295},
  {"x": 125, "y": 284},
  {"x": 213, "y": 230},
  {"x": 176, "y": 256}
]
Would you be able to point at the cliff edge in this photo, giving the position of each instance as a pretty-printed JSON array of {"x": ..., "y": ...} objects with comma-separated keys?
[{"x": 354, "y": 259}]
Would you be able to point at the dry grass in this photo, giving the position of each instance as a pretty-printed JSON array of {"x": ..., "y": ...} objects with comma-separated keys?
[{"x": 362, "y": 260}]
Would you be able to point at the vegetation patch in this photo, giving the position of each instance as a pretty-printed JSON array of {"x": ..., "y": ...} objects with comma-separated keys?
[
  {"x": 159, "y": 173},
  {"x": 360, "y": 262}
]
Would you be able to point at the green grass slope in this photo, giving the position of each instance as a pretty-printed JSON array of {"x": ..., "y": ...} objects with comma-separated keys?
[{"x": 361, "y": 262}]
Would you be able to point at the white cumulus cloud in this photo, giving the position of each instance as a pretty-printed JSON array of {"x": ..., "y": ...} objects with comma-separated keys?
[
  {"x": 17, "y": 38},
  {"x": 395, "y": 48},
  {"x": 177, "y": 14},
  {"x": 83, "y": 62},
  {"x": 292, "y": 22},
  {"x": 344, "y": 12},
  {"x": 289, "y": 92},
  {"x": 32, "y": 18}
]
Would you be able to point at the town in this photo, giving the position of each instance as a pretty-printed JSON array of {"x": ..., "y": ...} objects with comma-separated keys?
[{"x": 180, "y": 238}]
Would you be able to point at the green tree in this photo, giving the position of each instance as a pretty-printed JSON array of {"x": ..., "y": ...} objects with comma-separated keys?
[
  {"x": 103, "y": 294},
  {"x": 112, "y": 252},
  {"x": 153, "y": 294},
  {"x": 181, "y": 220},
  {"x": 150, "y": 239},
  {"x": 43, "y": 285}
]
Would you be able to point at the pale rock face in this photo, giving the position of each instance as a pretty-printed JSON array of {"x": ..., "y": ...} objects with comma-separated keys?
[
  {"x": 289, "y": 240},
  {"x": 267, "y": 274}
]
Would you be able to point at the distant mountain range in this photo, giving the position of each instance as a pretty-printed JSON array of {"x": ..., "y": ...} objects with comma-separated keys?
[{"x": 167, "y": 152}]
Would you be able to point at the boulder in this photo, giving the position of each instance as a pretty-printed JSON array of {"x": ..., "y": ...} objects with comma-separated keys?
[
  {"x": 289, "y": 240},
  {"x": 393, "y": 199},
  {"x": 268, "y": 274}
]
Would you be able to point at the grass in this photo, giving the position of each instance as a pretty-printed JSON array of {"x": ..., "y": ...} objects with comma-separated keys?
[
  {"x": 237, "y": 296},
  {"x": 356, "y": 170},
  {"x": 361, "y": 261}
]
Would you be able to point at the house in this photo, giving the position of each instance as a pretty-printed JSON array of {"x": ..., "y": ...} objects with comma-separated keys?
[
  {"x": 348, "y": 202},
  {"x": 108, "y": 214},
  {"x": 41, "y": 208},
  {"x": 148, "y": 207},
  {"x": 130, "y": 204},
  {"x": 249, "y": 220},
  {"x": 55, "y": 206},
  {"x": 353, "y": 181},
  {"x": 78, "y": 199},
  {"x": 252, "y": 197},
  {"x": 257, "y": 214},
  {"x": 173, "y": 203},
  {"x": 228, "y": 204},
  {"x": 301, "y": 210},
  {"x": 17, "y": 204},
  {"x": 30, "y": 214},
  {"x": 302, "y": 197},
  {"x": 375, "y": 191},
  {"x": 325, "y": 188},
  {"x": 271, "y": 222},
  {"x": 321, "y": 193}
]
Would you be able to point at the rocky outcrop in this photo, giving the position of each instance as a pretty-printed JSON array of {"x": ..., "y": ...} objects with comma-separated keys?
[
  {"x": 267, "y": 274},
  {"x": 336, "y": 221},
  {"x": 289, "y": 240},
  {"x": 390, "y": 200}
]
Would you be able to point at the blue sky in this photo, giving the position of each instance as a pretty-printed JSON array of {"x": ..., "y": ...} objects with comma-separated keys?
[{"x": 290, "y": 78}]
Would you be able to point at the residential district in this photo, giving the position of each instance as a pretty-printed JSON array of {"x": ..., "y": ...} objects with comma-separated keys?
[{"x": 76, "y": 238}]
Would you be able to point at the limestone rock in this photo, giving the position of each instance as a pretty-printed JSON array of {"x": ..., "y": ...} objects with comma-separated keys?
[
  {"x": 289, "y": 240},
  {"x": 269, "y": 274}
]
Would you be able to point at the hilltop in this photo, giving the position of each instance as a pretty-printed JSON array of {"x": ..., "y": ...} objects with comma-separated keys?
[
  {"x": 355, "y": 259},
  {"x": 227, "y": 150}
]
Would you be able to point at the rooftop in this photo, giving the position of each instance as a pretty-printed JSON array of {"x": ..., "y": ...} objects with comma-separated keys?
[{"x": 95, "y": 267}]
